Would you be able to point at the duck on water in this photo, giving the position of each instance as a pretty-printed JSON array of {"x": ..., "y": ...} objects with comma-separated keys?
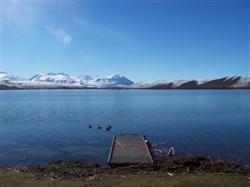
[{"x": 108, "y": 127}]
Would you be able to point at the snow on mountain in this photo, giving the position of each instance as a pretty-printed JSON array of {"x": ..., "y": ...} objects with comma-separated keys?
[
  {"x": 85, "y": 78},
  {"x": 178, "y": 83},
  {"x": 242, "y": 82},
  {"x": 53, "y": 77},
  {"x": 82, "y": 79},
  {"x": 5, "y": 77},
  {"x": 221, "y": 83},
  {"x": 62, "y": 80},
  {"x": 112, "y": 80}
]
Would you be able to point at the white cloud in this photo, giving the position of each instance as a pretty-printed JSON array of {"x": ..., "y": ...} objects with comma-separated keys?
[{"x": 61, "y": 35}]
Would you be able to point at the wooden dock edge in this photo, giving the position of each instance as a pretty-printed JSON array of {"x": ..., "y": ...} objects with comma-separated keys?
[
  {"x": 111, "y": 150},
  {"x": 147, "y": 148}
]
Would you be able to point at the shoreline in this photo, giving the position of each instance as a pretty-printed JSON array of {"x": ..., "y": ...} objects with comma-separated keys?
[
  {"x": 67, "y": 88},
  {"x": 72, "y": 169},
  {"x": 166, "y": 172}
]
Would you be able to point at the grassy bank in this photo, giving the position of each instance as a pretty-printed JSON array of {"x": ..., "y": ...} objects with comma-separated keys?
[
  {"x": 180, "y": 180},
  {"x": 172, "y": 172}
]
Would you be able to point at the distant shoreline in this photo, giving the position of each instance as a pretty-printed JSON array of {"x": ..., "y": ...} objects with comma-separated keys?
[
  {"x": 64, "y": 81},
  {"x": 67, "y": 88}
]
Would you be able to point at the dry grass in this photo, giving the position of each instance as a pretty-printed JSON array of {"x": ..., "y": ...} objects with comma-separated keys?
[{"x": 11, "y": 178}]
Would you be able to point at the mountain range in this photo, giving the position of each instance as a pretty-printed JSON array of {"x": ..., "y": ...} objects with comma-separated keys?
[{"x": 62, "y": 80}]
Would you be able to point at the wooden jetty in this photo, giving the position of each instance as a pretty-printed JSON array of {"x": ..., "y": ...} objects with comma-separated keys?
[{"x": 129, "y": 149}]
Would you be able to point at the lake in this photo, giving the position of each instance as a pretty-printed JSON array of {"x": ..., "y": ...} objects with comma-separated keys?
[{"x": 45, "y": 125}]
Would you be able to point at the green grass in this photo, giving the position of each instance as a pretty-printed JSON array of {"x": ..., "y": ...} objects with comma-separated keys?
[{"x": 11, "y": 179}]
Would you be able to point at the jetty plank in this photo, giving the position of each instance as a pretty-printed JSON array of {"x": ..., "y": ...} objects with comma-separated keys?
[{"x": 128, "y": 149}]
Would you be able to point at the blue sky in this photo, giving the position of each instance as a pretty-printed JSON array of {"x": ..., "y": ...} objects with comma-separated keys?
[{"x": 143, "y": 40}]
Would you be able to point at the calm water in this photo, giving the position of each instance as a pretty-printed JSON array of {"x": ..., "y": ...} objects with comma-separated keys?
[{"x": 45, "y": 125}]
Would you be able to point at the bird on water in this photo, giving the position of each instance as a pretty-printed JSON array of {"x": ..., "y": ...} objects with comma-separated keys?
[{"x": 108, "y": 128}]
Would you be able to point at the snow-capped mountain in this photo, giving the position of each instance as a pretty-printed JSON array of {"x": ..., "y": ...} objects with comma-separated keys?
[
  {"x": 62, "y": 80},
  {"x": 85, "y": 78},
  {"x": 112, "y": 80},
  {"x": 53, "y": 77},
  {"x": 222, "y": 83},
  {"x": 5, "y": 77},
  {"x": 82, "y": 79},
  {"x": 243, "y": 82}
]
